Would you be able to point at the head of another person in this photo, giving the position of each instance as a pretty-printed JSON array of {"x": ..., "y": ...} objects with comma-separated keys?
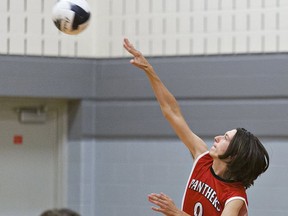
[
  {"x": 244, "y": 154},
  {"x": 60, "y": 212}
]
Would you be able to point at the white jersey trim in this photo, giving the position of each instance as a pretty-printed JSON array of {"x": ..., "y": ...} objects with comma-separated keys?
[
  {"x": 239, "y": 198},
  {"x": 194, "y": 164},
  {"x": 227, "y": 201}
]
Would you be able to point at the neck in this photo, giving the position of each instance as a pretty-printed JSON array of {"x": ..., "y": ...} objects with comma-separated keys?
[{"x": 219, "y": 167}]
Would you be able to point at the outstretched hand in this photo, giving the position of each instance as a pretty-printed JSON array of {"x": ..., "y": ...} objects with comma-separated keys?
[
  {"x": 165, "y": 204},
  {"x": 139, "y": 60}
]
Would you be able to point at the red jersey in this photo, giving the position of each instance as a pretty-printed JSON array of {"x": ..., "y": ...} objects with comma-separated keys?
[{"x": 206, "y": 194}]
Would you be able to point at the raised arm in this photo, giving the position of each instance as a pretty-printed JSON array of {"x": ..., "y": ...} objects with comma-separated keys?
[{"x": 168, "y": 103}]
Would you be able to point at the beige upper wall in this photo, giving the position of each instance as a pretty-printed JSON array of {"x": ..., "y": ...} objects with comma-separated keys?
[{"x": 157, "y": 27}]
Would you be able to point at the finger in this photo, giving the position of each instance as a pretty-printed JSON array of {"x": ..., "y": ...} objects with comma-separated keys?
[
  {"x": 156, "y": 209},
  {"x": 130, "y": 48},
  {"x": 158, "y": 201},
  {"x": 127, "y": 42},
  {"x": 154, "y": 196},
  {"x": 164, "y": 196}
]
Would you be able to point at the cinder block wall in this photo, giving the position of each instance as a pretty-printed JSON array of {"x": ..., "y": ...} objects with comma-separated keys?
[
  {"x": 120, "y": 146},
  {"x": 136, "y": 152},
  {"x": 158, "y": 28}
]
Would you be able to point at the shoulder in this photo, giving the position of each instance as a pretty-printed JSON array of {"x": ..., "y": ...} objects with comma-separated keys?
[
  {"x": 238, "y": 201},
  {"x": 204, "y": 158},
  {"x": 205, "y": 155},
  {"x": 202, "y": 162},
  {"x": 237, "y": 207}
]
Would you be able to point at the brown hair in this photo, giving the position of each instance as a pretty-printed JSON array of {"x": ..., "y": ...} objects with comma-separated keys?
[
  {"x": 60, "y": 212},
  {"x": 246, "y": 158}
]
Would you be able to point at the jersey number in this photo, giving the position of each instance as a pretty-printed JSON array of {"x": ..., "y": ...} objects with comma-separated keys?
[{"x": 198, "y": 209}]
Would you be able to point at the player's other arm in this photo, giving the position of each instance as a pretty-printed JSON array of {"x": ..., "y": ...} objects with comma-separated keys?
[
  {"x": 168, "y": 104},
  {"x": 233, "y": 208}
]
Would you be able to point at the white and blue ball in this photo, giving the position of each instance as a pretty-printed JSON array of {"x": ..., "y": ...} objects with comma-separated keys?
[{"x": 71, "y": 16}]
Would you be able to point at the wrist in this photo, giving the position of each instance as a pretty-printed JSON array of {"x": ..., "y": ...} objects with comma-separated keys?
[
  {"x": 181, "y": 213},
  {"x": 148, "y": 68}
]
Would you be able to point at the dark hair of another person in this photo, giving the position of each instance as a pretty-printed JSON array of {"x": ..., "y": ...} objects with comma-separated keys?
[
  {"x": 60, "y": 212},
  {"x": 246, "y": 158}
]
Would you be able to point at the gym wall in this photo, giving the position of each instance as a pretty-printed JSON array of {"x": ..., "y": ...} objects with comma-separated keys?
[
  {"x": 225, "y": 61},
  {"x": 158, "y": 28},
  {"x": 121, "y": 143}
]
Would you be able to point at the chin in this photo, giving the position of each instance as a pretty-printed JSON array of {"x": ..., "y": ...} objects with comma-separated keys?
[{"x": 212, "y": 153}]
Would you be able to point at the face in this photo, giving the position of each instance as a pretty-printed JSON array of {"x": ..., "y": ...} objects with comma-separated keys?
[{"x": 221, "y": 143}]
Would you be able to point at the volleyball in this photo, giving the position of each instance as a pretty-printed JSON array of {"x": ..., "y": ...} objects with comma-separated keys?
[{"x": 71, "y": 16}]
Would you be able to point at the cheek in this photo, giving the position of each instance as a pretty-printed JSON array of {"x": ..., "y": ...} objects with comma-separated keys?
[{"x": 223, "y": 147}]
